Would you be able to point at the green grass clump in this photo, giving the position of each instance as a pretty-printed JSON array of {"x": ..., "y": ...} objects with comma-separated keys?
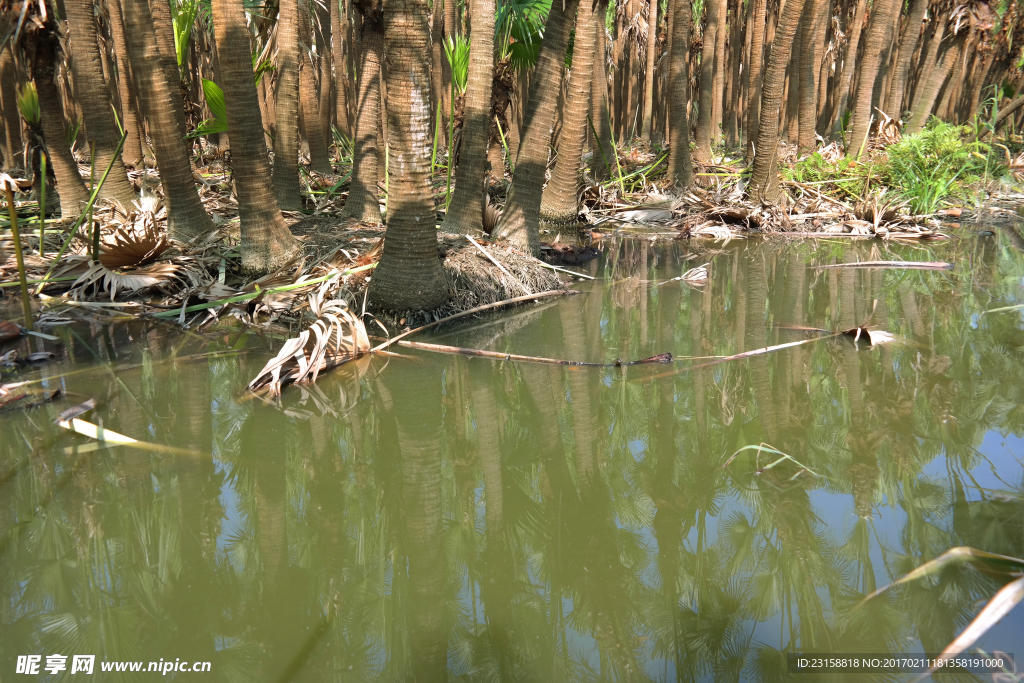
[
  {"x": 939, "y": 161},
  {"x": 843, "y": 177}
]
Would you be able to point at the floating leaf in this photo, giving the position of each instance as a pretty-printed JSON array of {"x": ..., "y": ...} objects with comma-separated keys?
[{"x": 337, "y": 336}]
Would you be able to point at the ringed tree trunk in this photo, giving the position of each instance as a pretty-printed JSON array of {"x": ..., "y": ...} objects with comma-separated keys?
[
  {"x": 362, "y": 203},
  {"x": 602, "y": 159},
  {"x": 812, "y": 31},
  {"x": 186, "y": 216},
  {"x": 339, "y": 55},
  {"x": 323, "y": 68},
  {"x": 519, "y": 224},
  {"x": 133, "y": 152},
  {"x": 757, "y": 29},
  {"x": 652, "y": 43},
  {"x": 936, "y": 78},
  {"x": 467, "y": 204},
  {"x": 764, "y": 179},
  {"x": 560, "y": 202},
  {"x": 286, "y": 96},
  {"x": 267, "y": 244},
  {"x": 13, "y": 155},
  {"x": 44, "y": 49},
  {"x": 409, "y": 275},
  {"x": 706, "y": 96},
  {"x": 319, "y": 158},
  {"x": 95, "y": 101},
  {"x": 875, "y": 54},
  {"x": 848, "y": 68},
  {"x": 908, "y": 41},
  {"x": 680, "y": 165}
]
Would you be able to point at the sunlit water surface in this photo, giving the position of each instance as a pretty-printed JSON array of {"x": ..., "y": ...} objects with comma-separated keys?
[{"x": 437, "y": 517}]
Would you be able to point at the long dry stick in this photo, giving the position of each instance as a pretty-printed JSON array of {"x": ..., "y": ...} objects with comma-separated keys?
[
  {"x": 913, "y": 265},
  {"x": 478, "y": 309},
  {"x": 500, "y": 267},
  {"x": 441, "y": 348}
]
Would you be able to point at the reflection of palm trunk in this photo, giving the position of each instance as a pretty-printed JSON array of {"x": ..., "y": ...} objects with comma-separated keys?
[
  {"x": 583, "y": 417},
  {"x": 497, "y": 580},
  {"x": 418, "y": 416},
  {"x": 757, "y": 337}
]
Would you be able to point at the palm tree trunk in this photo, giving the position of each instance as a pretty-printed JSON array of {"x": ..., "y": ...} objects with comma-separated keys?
[
  {"x": 926, "y": 66},
  {"x": 706, "y": 96},
  {"x": 911, "y": 33},
  {"x": 876, "y": 53},
  {"x": 266, "y": 243},
  {"x": 409, "y": 275},
  {"x": 45, "y": 61},
  {"x": 845, "y": 77},
  {"x": 437, "y": 60},
  {"x": 362, "y": 203},
  {"x": 602, "y": 159},
  {"x": 319, "y": 159},
  {"x": 520, "y": 221},
  {"x": 466, "y": 209},
  {"x": 286, "y": 96},
  {"x": 324, "y": 59},
  {"x": 680, "y": 165},
  {"x": 339, "y": 55},
  {"x": 652, "y": 43},
  {"x": 733, "y": 90},
  {"x": 936, "y": 79},
  {"x": 812, "y": 30},
  {"x": 186, "y": 216},
  {"x": 560, "y": 202},
  {"x": 95, "y": 101},
  {"x": 764, "y": 179},
  {"x": 13, "y": 156},
  {"x": 757, "y": 29},
  {"x": 132, "y": 152}
]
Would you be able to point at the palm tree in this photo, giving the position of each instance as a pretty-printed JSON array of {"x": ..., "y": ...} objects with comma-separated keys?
[
  {"x": 466, "y": 209},
  {"x": 560, "y": 203},
  {"x": 41, "y": 42},
  {"x": 764, "y": 178},
  {"x": 601, "y": 161},
  {"x": 266, "y": 243},
  {"x": 409, "y": 275},
  {"x": 362, "y": 203},
  {"x": 520, "y": 221},
  {"x": 95, "y": 101},
  {"x": 876, "y": 53},
  {"x": 911, "y": 32},
  {"x": 319, "y": 159},
  {"x": 9, "y": 109},
  {"x": 132, "y": 152},
  {"x": 652, "y": 42},
  {"x": 286, "y": 96},
  {"x": 713, "y": 23},
  {"x": 680, "y": 163},
  {"x": 758, "y": 10},
  {"x": 186, "y": 216}
]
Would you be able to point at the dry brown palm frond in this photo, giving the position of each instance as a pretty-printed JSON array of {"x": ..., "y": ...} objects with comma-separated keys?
[
  {"x": 98, "y": 280},
  {"x": 336, "y": 336},
  {"x": 698, "y": 277},
  {"x": 127, "y": 248}
]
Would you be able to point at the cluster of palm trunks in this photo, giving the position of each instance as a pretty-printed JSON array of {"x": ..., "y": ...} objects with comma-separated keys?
[{"x": 543, "y": 83}]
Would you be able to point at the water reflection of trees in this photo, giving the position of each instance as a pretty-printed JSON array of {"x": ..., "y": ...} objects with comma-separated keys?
[{"x": 486, "y": 521}]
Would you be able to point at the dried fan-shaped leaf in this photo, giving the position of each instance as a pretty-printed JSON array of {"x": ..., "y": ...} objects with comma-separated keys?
[
  {"x": 132, "y": 248},
  {"x": 99, "y": 280},
  {"x": 337, "y": 336}
]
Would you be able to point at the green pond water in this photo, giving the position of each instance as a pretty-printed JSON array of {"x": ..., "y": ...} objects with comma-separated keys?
[{"x": 433, "y": 517}]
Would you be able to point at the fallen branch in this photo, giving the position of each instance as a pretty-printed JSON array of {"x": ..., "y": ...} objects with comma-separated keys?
[
  {"x": 500, "y": 267},
  {"x": 478, "y": 309},
  {"x": 441, "y": 348},
  {"x": 912, "y": 265}
]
